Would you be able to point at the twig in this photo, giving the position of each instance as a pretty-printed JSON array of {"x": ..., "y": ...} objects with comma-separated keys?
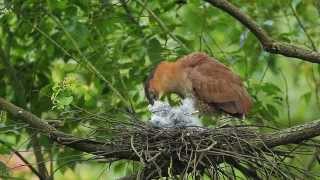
[
  {"x": 286, "y": 96},
  {"x": 84, "y": 145},
  {"x": 162, "y": 25},
  {"x": 131, "y": 17},
  {"x": 135, "y": 150},
  {"x": 83, "y": 60},
  {"x": 232, "y": 142},
  {"x": 246, "y": 171},
  {"x": 294, "y": 12},
  {"x": 270, "y": 45},
  {"x": 310, "y": 164},
  {"x": 154, "y": 157},
  {"x": 209, "y": 147},
  {"x": 22, "y": 159}
]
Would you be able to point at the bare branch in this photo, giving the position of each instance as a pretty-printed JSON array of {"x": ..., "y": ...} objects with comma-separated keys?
[
  {"x": 270, "y": 45},
  {"x": 232, "y": 143},
  {"x": 84, "y": 145},
  {"x": 290, "y": 135},
  {"x": 293, "y": 135},
  {"x": 24, "y": 160}
]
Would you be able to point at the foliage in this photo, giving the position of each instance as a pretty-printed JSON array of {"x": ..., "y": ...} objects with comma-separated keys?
[
  {"x": 4, "y": 170},
  {"x": 75, "y": 56}
]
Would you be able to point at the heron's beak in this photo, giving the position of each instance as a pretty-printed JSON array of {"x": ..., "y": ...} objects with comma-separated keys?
[{"x": 151, "y": 96}]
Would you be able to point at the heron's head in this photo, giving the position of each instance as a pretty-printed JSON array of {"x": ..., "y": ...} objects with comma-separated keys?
[{"x": 160, "y": 81}]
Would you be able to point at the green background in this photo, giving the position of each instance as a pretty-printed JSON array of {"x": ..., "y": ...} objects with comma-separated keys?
[{"x": 61, "y": 58}]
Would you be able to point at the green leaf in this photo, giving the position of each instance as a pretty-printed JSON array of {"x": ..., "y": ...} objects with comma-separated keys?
[
  {"x": 273, "y": 110},
  {"x": 286, "y": 36},
  {"x": 154, "y": 50},
  {"x": 68, "y": 159},
  {"x": 270, "y": 89},
  {"x": 307, "y": 97},
  {"x": 295, "y": 3},
  {"x": 80, "y": 33},
  {"x": 193, "y": 18},
  {"x": 65, "y": 101},
  {"x": 4, "y": 170},
  {"x": 59, "y": 5},
  {"x": 266, "y": 114},
  {"x": 45, "y": 91},
  {"x": 119, "y": 166},
  {"x": 4, "y": 149}
]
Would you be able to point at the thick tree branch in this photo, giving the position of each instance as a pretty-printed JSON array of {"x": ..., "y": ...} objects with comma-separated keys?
[
  {"x": 292, "y": 135},
  {"x": 84, "y": 145},
  {"x": 269, "y": 44}
]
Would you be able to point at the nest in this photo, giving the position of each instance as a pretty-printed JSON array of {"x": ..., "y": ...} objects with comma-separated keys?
[
  {"x": 183, "y": 152},
  {"x": 196, "y": 151},
  {"x": 179, "y": 152}
]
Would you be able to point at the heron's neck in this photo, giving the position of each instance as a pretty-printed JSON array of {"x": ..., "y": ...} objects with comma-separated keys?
[{"x": 179, "y": 82}]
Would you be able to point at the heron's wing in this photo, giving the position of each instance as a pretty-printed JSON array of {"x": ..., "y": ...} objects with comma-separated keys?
[{"x": 216, "y": 84}]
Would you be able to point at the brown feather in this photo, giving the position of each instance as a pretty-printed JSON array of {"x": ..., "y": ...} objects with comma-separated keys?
[
  {"x": 215, "y": 87},
  {"x": 215, "y": 84}
]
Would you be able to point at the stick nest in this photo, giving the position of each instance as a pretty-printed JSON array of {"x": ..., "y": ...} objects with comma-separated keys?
[{"x": 196, "y": 151}]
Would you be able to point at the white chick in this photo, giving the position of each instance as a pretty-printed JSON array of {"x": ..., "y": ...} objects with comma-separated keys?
[{"x": 163, "y": 115}]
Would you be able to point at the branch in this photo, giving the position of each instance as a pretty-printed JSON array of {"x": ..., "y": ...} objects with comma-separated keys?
[
  {"x": 162, "y": 25},
  {"x": 22, "y": 159},
  {"x": 270, "y": 45},
  {"x": 19, "y": 92},
  {"x": 159, "y": 147},
  {"x": 293, "y": 135},
  {"x": 295, "y": 14},
  {"x": 129, "y": 13},
  {"x": 84, "y": 145}
]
